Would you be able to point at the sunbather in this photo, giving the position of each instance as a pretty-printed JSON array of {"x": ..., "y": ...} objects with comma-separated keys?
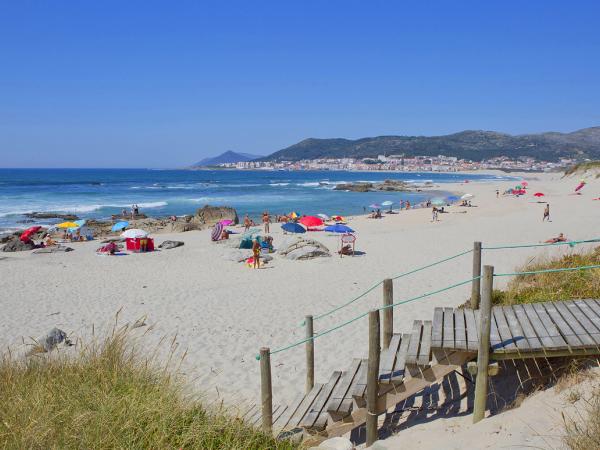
[{"x": 560, "y": 238}]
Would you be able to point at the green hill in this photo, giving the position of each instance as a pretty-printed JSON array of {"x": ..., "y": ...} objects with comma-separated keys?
[{"x": 473, "y": 145}]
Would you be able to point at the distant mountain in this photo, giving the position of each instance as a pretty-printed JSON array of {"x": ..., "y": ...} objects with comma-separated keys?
[
  {"x": 225, "y": 158},
  {"x": 473, "y": 145}
]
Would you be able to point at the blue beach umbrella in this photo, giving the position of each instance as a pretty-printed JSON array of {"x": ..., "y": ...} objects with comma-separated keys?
[
  {"x": 119, "y": 226},
  {"x": 292, "y": 227},
  {"x": 339, "y": 228},
  {"x": 453, "y": 198}
]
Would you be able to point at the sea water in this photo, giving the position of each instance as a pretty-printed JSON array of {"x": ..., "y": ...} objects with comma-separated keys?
[{"x": 99, "y": 193}]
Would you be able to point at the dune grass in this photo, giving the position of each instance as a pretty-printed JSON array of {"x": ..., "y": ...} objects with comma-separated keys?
[
  {"x": 582, "y": 167},
  {"x": 554, "y": 286},
  {"x": 585, "y": 434},
  {"x": 107, "y": 396}
]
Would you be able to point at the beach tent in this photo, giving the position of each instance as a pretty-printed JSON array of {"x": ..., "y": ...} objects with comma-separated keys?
[
  {"x": 311, "y": 221},
  {"x": 67, "y": 225},
  {"x": 119, "y": 226},
  {"x": 134, "y": 233},
  {"x": 217, "y": 231},
  {"x": 248, "y": 237},
  {"x": 292, "y": 227},
  {"x": 339, "y": 228},
  {"x": 26, "y": 235}
]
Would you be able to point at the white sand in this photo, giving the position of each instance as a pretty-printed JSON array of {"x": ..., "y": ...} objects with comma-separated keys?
[{"x": 222, "y": 312}]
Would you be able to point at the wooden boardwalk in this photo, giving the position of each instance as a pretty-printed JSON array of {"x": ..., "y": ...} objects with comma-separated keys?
[{"x": 413, "y": 361}]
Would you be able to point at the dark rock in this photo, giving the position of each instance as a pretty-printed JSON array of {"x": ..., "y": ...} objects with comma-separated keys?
[
  {"x": 387, "y": 185},
  {"x": 54, "y": 249},
  {"x": 170, "y": 244},
  {"x": 354, "y": 187},
  {"x": 16, "y": 245},
  {"x": 209, "y": 215},
  {"x": 26, "y": 221},
  {"x": 50, "y": 215}
]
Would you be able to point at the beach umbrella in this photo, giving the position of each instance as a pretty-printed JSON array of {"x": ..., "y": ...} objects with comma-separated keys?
[
  {"x": 67, "y": 225},
  {"x": 120, "y": 225},
  {"x": 453, "y": 198},
  {"x": 292, "y": 227},
  {"x": 374, "y": 206},
  {"x": 311, "y": 221},
  {"x": 134, "y": 233},
  {"x": 339, "y": 228},
  {"x": 581, "y": 185},
  {"x": 294, "y": 215},
  {"x": 323, "y": 216},
  {"x": 438, "y": 201},
  {"x": 467, "y": 197},
  {"x": 387, "y": 203},
  {"x": 80, "y": 223},
  {"x": 226, "y": 222},
  {"x": 217, "y": 231},
  {"x": 25, "y": 235},
  {"x": 538, "y": 194},
  {"x": 524, "y": 183}
]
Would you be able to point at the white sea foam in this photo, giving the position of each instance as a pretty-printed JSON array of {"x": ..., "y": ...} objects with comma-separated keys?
[
  {"x": 279, "y": 184},
  {"x": 309, "y": 184}
]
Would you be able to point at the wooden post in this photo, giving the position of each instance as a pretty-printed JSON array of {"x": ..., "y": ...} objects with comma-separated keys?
[
  {"x": 373, "y": 377},
  {"x": 483, "y": 352},
  {"x": 476, "y": 285},
  {"x": 266, "y": 393},
  {"x": 388, "y": 313},
  {"x": 310, "y": 354}
]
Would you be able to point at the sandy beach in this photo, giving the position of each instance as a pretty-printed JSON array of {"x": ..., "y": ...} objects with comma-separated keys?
[{"x": 221, "y": 312}]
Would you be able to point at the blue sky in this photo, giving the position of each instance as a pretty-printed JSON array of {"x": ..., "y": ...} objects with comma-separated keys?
[{"x": 164, "y": 84}]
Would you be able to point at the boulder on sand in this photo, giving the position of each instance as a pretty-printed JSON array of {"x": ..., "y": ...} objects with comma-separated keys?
[
  {"x": 209, "y": 215},
  {"x": 170, "y": 244},
  {"x": 301, "y": 248},
  {"x": 16, "y": 245}
]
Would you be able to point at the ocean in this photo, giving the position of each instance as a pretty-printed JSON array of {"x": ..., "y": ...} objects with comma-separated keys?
[{"x": 98, "y": 193}]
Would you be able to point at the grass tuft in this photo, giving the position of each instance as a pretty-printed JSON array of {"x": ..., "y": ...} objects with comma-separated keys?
[
  {"x": 585, "y": 434},
  {"x": 108, "y": 396},
  {"x": 554, "y": 286},
  {"x": 583, "y": 167}
]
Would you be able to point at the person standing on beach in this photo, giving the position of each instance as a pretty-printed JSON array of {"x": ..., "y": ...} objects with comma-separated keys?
[
  {"x": 546, "y": 213},
  {"x": 256, "y": 253},
  {"x": 246, "y": 222},
  {"x": 434, "y": 214},
  {"x": 497, "y": 193},
  {"x": 266, "y": 221}
]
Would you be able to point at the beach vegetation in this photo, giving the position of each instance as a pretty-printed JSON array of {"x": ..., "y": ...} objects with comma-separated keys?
[
  {"x": 553, "y": 285},
  {"x": 110, "y": 396},
  {"x": 584, "y": 167},
  {"x": 583, "y": 430}
]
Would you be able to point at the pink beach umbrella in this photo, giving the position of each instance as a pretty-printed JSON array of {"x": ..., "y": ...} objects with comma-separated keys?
[{"x": 226, "y": 222}]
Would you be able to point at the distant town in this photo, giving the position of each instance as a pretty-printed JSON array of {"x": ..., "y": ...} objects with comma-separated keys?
[{"x": 401, "y": 163}]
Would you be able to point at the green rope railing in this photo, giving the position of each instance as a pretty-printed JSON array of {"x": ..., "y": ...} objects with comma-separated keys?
[
  {"x": 545, "y": 244},
  {"x": 354, "y": 319},
  {"x": 428, "y": 294},
  {"x": 418, "y": 269}
]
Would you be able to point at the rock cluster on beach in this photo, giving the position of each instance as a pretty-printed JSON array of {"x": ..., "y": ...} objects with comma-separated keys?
[{"x": 387, "y": 185}]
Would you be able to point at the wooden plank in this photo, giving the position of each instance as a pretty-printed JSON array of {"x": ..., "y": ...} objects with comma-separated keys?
[
  {"x": 591, "y": 318},
  {"x": 515, "y": 329},
  {"x": 540, "y": 330},
  {"x": 425, "y": 351},
  {"x": 581, "y": 333},
  {"x": 472, "y": 330},
  {"x": 311, "y": 418},
  {"x": 400, "y": 364},
  {"x": 495, "y": 340},
  {"x": 388, "y": 358},
  {"x": 593, "y": 305},
  {"x": 460, "y": 333},
  {"x": 415, "y": 341},
  {"x": 438, "y": 325},
  {"x": 280, "y": 412},
  {"x": 506, "y": 339},
  {"x": 557, "y": 340},
  {"x": 528, "y": 330},
  {"x": 358, "y": 391},
  {"x": 448, "y": 339},
  {"x": 565, "y": 330},
  {"x": 341, "y": 392},
  {"x": 304, "y": 406},
  {"x": 255, "y": 421},
  {"x": 284, "y": 418}
]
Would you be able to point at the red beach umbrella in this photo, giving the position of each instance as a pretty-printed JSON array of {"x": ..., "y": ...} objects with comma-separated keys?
[
  {"x": 28, "y": 232},
  {"x": 538, "y": 194},
  {"x": 311, "y": 221}
]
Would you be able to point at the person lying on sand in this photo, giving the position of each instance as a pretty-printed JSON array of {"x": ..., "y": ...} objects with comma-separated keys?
[
  {"x": 560, "y": 238},
  {"x": 345, "y": 250}
]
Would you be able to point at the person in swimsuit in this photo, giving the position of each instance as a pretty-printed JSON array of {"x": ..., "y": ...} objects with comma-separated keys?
[
  {"x": 246, "y": 222},
  {"x": 266, "y": 221},
  {"x": 256, "y": 253},
  {"x": 546, "y": 213}
]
